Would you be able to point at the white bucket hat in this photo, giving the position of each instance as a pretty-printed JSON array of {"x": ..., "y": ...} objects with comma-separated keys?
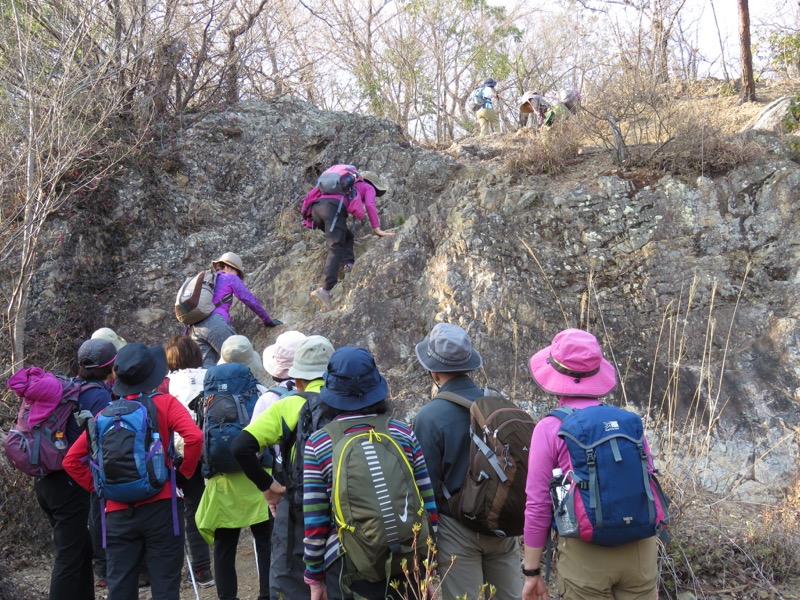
[{"x": 278, "y": 357}]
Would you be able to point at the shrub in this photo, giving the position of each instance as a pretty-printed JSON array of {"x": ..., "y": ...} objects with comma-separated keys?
[{"x": 550, "y": 149}]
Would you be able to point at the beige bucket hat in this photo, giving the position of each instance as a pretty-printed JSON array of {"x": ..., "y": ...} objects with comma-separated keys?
[
  {"x": 239, "y": 349},
  {"x": 104, "y": 333},
  {"x": 230, "y": 259}
]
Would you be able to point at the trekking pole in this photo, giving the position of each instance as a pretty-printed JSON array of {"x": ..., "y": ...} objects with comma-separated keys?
[
  {"x": 255, "y": 553},
  {"x": 191, "y": 569}
]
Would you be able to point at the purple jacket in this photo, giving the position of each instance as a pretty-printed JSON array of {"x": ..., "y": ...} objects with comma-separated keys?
[{"x": 228, "y": 283}]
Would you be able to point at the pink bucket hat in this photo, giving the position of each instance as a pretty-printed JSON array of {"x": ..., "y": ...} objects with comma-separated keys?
[
  {"x": 573, "y": 365},
  {"x": 278, "y": 357}
]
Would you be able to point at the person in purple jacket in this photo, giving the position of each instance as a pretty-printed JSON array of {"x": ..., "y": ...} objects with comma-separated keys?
[
  {"x": 338, "y": 236},
  {"x": 211, "y": 332}
]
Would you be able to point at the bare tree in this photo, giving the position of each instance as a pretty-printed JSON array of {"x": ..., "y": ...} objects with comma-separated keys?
[
  {"x": 748, "y": 81},
  {"x": 60, "y": 102}
]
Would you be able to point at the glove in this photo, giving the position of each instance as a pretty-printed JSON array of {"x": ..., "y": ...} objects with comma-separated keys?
[{"x": 273, "y": 323}]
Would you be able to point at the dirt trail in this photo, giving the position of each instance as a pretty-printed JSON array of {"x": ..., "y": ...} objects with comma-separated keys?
[{"x": 35, "y": 580}]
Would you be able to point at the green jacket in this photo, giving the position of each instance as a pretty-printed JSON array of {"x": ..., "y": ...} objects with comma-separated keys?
[{"x": 267, "y": 428}]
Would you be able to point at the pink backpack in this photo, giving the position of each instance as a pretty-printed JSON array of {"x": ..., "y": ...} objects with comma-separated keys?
[{"x": 38, "y": 449}]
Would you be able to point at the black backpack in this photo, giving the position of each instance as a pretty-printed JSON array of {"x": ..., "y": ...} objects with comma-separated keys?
[{"x": 290, "y": 472}]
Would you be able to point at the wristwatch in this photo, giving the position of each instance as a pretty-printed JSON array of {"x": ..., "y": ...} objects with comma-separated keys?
[{"x": 531, "y": 572}]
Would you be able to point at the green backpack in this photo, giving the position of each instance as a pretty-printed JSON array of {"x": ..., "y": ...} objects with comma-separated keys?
[{"x": 376, "y": 501}]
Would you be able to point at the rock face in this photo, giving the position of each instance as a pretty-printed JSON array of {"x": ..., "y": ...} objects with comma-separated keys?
[{"x": 691, "y": 287}]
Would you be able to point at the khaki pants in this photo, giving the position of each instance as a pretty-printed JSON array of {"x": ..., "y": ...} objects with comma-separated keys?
[
  {"x": 591, "y": 572},
  {"x": 480, "y": 559},
  {"x": 488, "y": 119}
]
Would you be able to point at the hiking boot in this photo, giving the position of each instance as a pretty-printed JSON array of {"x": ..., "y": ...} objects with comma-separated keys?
[
  {"x": 203, "y": 577},
  {"x": 348, "y": 267},
  {"x": 323, "y": 296},
  {"x": 344, "y": 270}
]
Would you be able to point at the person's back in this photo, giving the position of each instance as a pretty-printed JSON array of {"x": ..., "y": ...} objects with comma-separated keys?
[
  {"x": 487, "y": 114},
  {"x": 573, "y": 368},
  {"x": 230, "y": 502},
  {"x": 442, "y": 428},
  {"x": 146, "y": 527},
  {"x": 211, "y": 332},
  {"x": 278, "y": 424},
  {"x": 354, "y": 395}
]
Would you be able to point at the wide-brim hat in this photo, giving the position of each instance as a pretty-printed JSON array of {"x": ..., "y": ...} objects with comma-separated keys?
[
  {"x": 279, "y": 357},
  {"x": 232, "y": 260},
  {"x": 352, "y": 380},
  {"x": 372, "y": 177},
  {"x": 525, "y": 104},
  {"x": 104, "y": 333},
  {"x": 573, "y": 365},
  {"x": 489, "y": 82},
  {"x": 139, "y": 369},
  {"x": 239, "y": 349},
  {"x": 311, "y": 358},
  {"x": 448, "y": 349}
]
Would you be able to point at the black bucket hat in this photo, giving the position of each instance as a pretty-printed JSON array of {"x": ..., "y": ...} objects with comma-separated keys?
[{"x": 139, "y": 369}]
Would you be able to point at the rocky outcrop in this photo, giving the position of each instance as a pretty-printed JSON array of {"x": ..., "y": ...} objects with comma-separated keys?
[{"x": 690, "y": 285}]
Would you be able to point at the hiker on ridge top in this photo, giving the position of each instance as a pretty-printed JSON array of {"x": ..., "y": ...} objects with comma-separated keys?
[
  {"x": 326, "y": 214},
  {"x": 487, "y": 115},
  {"x": 211, "y": 332}
]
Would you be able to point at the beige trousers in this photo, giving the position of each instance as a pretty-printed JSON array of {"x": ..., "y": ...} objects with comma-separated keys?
[
  {"x": 488, "y": 120},
  {"x": 591, "y": 572}
]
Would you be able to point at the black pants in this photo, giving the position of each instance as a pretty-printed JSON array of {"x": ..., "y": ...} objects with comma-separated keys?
[
  {"x": 340, "y": 240},
  {"x": 66, "y": 505},
  {"x": 144, "y": 532},
  {"x": 192, "y": 492},
  {"x": 226, "y": 542},
  {"x": 287, "y": 567},
  {"x": 96, "y": 529}
]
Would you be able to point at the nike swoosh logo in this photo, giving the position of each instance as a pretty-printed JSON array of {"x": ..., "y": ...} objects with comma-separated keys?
[{"x": 404, "y": 516}]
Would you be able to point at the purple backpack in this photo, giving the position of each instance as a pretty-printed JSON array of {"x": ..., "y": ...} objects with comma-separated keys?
[{"x": 39, "y": 450}]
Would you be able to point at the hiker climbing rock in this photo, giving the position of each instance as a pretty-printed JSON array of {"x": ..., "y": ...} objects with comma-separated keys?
[
  {"x": 213, "y": 330},
  {"x": 341, "y": 190}
]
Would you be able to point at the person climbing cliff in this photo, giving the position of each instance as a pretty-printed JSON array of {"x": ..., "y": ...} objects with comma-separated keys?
[{"x": 341, "y": 191}]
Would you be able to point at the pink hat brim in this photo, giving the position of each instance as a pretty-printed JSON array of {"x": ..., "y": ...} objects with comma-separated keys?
[{"x": 553, "y": 382}]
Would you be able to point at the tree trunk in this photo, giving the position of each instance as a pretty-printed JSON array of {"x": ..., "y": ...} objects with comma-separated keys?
[{"x": 748, "y": 82}]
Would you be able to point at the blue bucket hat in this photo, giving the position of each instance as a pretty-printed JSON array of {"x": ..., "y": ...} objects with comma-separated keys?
[
  {"x": 489, "y": 82},
  {"x": 352, "y": 380}
]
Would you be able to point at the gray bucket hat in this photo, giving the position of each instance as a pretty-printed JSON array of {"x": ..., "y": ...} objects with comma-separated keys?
[
  {"x": 448, "y": 349},
  {"x": 311, "y": 358}
]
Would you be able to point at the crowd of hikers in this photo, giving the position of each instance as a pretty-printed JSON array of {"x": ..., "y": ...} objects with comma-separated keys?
[{"x": 153, "y": 456}]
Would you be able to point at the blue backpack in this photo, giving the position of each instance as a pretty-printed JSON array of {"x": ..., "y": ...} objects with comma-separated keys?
[
  {"x": 230, "y": 393},
  {"x": 608, "y": 496},
  {"x": 128, "y": 460}
]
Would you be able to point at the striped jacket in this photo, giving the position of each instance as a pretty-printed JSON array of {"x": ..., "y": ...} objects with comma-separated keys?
[{"x": 321, "y": 542}]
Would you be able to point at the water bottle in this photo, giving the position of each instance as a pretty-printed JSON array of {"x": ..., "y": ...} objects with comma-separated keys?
[
  {"x": 60, "y": 442},
  {"x": 563, "y": 512},
  {"x": 556, "y": 489},
  {"x": 157, "y": 449}
]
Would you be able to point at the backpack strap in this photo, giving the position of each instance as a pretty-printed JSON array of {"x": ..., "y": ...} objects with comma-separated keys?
[
  {"x": 476, "y": 438},
  {"x": 455, "y": 399},
  {"x": 561, "y": 412}
]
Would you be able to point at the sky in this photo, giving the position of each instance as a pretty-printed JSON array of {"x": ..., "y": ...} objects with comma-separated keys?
[{"x": 762, "y": 12}]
